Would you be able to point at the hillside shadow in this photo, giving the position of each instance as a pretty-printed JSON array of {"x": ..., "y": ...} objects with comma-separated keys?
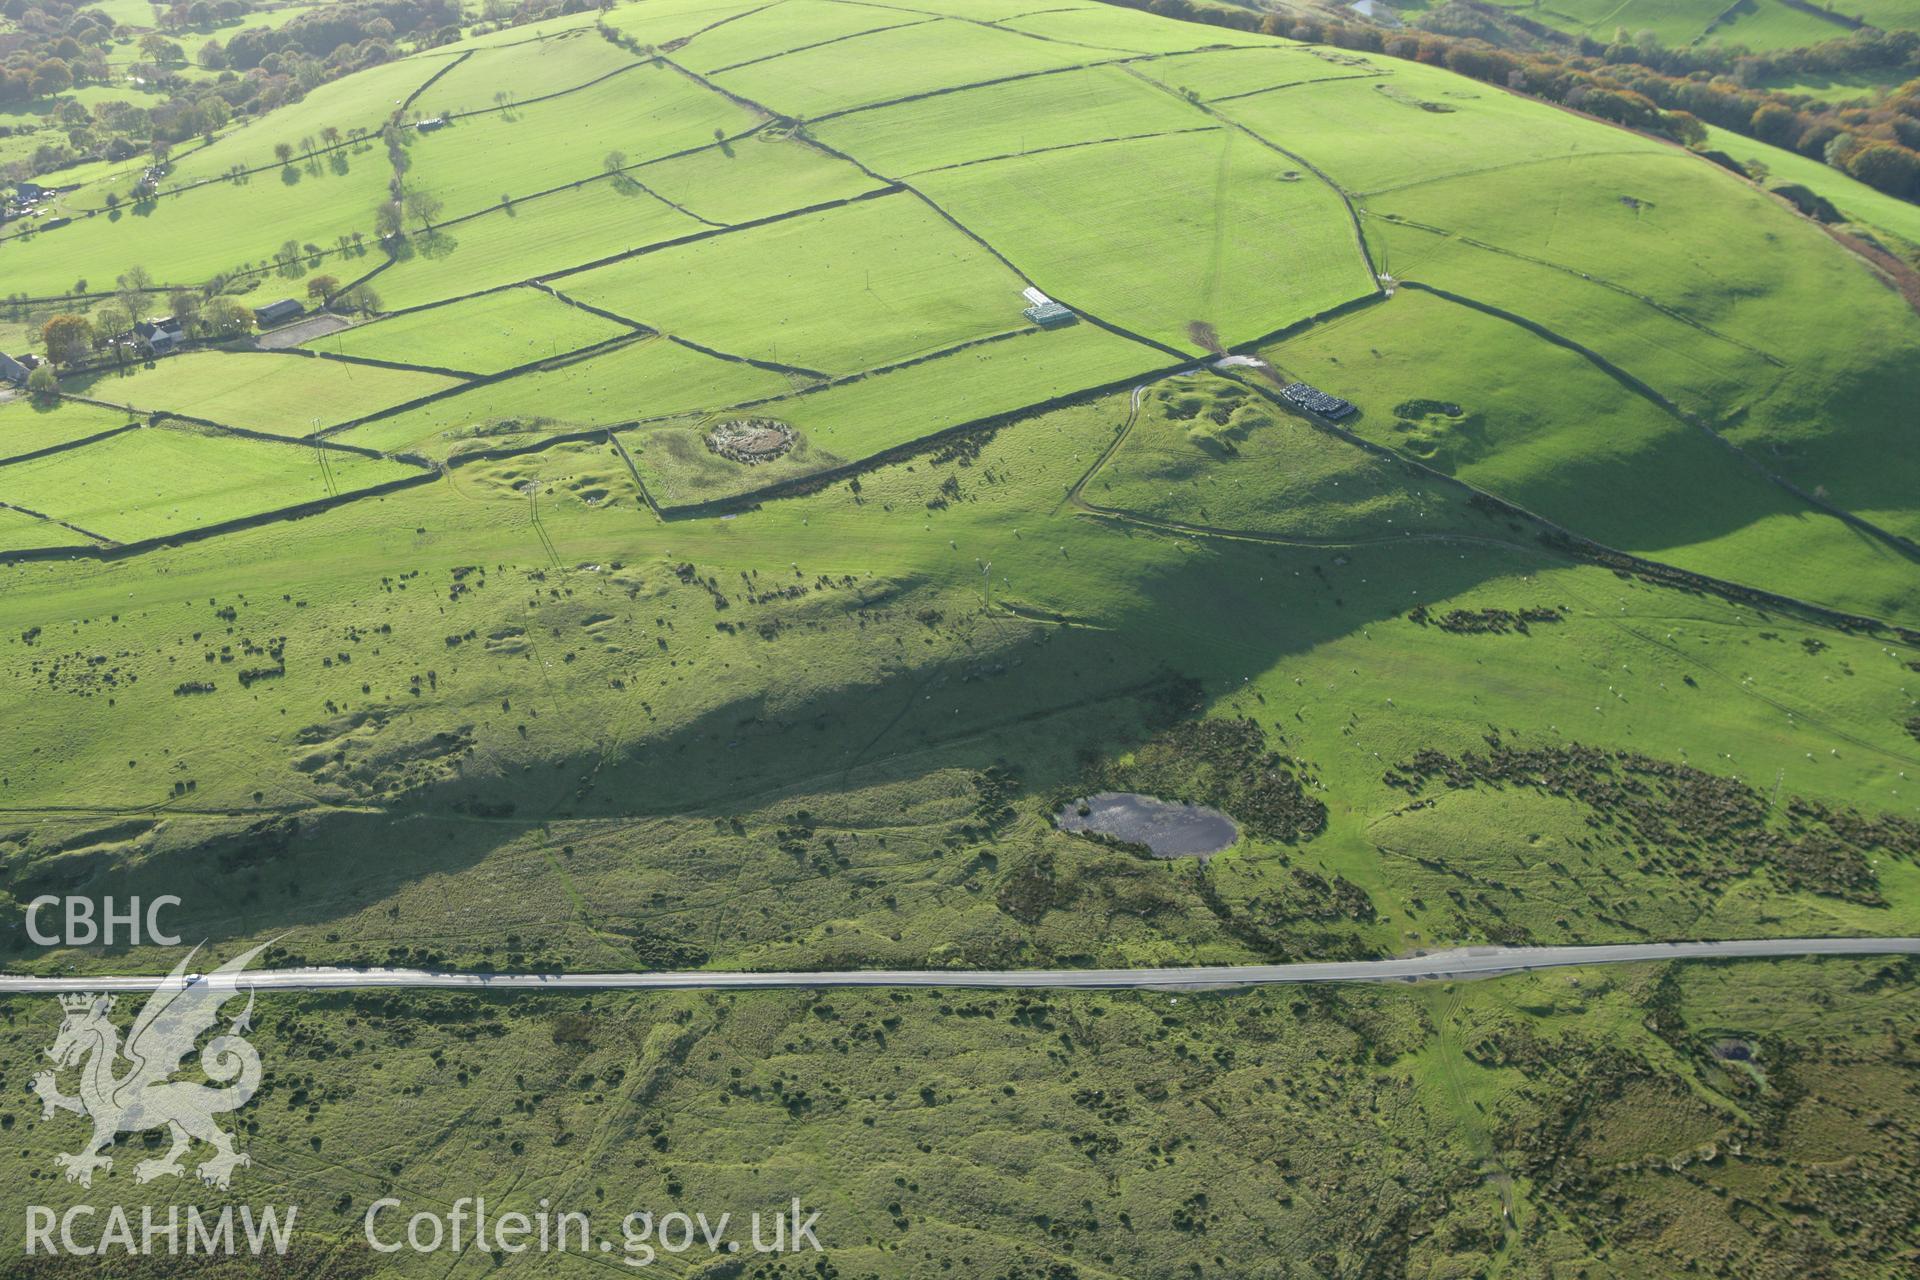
[{"x": 1039, "y": 700}]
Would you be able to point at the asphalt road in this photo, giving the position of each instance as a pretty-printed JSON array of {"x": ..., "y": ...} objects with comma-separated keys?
[{"x": 1471, "y": 962}]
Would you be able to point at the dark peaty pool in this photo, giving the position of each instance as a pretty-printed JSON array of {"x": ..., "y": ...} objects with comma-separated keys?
[{"x": 1170, "y": 830}]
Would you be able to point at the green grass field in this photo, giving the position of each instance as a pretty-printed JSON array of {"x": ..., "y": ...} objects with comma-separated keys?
[
  {"x": 486, "y": 334},
  {"x": 26, "y": 427},
  {"x": 1004, "y": 120},
  {"x": 778, "y": 635},
  {"x": 165, "y": 235},
  {"x": 767, "y": 32},
  {"x": 532, "y": 69},
  {"x": 1759, "y": 25},
  {"x": 525, "y": 239},
  {"x": 888, "y": 65},
  {"x": 1441, "y": 383},
  {"x": 1257, "y": 242},
  {"x": 362, "y": 101},
  {"x": 280, "y": 394},
  {"x": 915, "y": 284},
  {"x": 1206, "y": 452},
  {"x": 1093, "y": 28},
  {"x": 1884, "y": 215},
  {"x": 154, "y": 482},
  {"x": 20, "y": 531},
  {"x": 649, "y": 378},
  {"x": 643, "y": 114},
  {"x": 756, "y": 177}
]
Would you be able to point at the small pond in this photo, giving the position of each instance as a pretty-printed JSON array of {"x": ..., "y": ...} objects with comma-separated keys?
[{"x": 1170, "y": 830}]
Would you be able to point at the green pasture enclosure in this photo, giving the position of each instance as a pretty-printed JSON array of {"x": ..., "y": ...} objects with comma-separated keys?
[
  {"x": 1358, "y": 131},
  {"x": 885, "y": 410},
  {"x": 27, "y": 427},
  {"x": 664, "y": 23},
  {"x": 1460, "y": 391},
  {"x": 526, "y": 239},
  {"x": 900, "y": 63},
  {"x": 1761, "y": 25},
  {"x": 188, "y": 238},
  {"x": 1784, "y": 411},
  {"x": 1702, "y": 371},
  {"x": 280, "y": 393},
  {"x": 1162, "y": 235},
  {"x": 1882, "y": 213},
  {"x": 364, "y": 101},
  {"x": 20, "y": 532},
  {"x": 486, "y": 334},
  {"x": 157, "y": 481},
  {"x": 132, "y": 13},
  {"x": 506, "y": 36},
  {"x": 648, "y": 378},
  {"x": 645, "y": 113},
  {"x": 1715, "y": 252},
  {"x": 847, "y": 289},
  {"x": 754, "y": 177},
  {"x": 531, "y": 69},
  {"x": 770, "y": 31},
  {"x": 1207, "y": 452},
  {"x": 1009, "y": 119},
  {"x": 1127, "y": 31},
  {"x": 1666, "y": 226},
  {"x": 1231, "y": 74}
]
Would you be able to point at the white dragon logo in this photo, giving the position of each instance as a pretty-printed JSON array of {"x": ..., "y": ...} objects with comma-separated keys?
[{"x": 145, "y": 1096}]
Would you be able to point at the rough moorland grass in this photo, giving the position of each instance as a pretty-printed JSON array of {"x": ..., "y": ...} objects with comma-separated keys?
[
  {"x": 839, "y": 291},
  {"x": 1360, "y": 132},
  {"x": 1207, "y": 451},
  {"x": 188, "y": 238},
  {"x": 527, "y": 70},
  {"x": 1007, "y": 119},
  {"x": 26, "y": 427},
  {"x": 1309, "y": 626},
  {"x": 894, "y": 64},
  {"x": 280, "y": 393},
  {"x": 645, "y": 379},
  {"x": 755, "y": 177},
  {"x": 157, "y": 481},
  {"x": 526, "y": 239},
  {"x": 1460, "y": 391},
  {"x": 647, "y": 112},
  {"x": 481, "y": 335},
  {"x": 1161, "y": 234}
]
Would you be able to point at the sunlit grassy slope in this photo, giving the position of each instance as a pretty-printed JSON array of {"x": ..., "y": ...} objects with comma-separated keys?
[{"x": 1627, "y": 510}]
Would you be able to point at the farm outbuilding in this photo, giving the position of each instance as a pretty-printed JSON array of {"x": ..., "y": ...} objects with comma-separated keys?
[
  {"x": 1316, "y": 400},
  {"x": 276, "y": 312},
  {"x": 1044, "y": 311}
]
